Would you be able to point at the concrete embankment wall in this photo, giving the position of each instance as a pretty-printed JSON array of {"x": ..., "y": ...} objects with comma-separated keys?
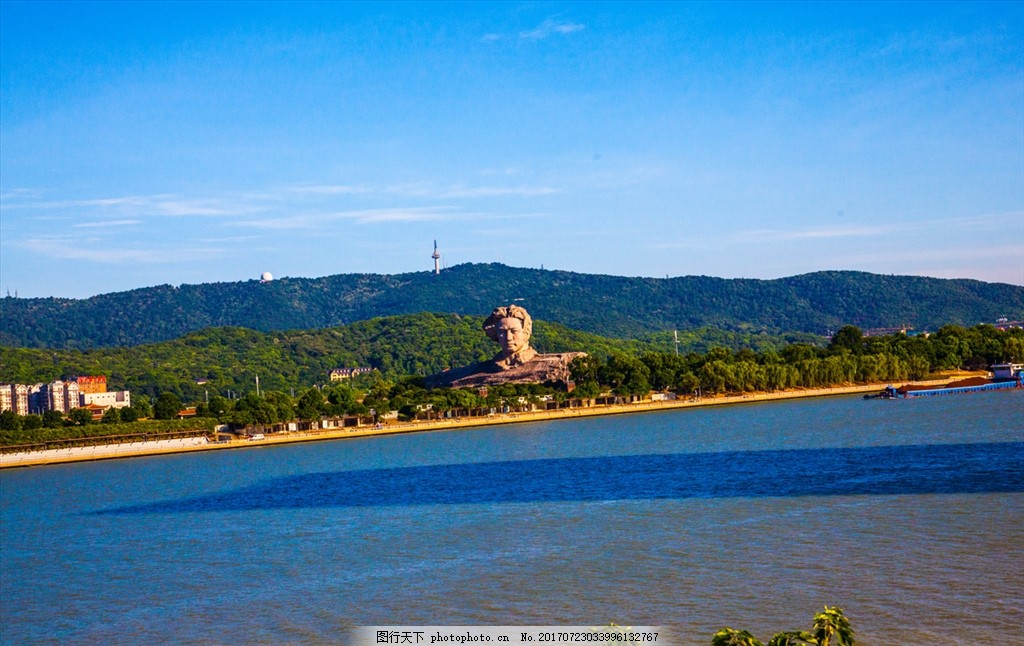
[
  {"x": 100, "y": 452},
  {"x": 158, "y": 447}
]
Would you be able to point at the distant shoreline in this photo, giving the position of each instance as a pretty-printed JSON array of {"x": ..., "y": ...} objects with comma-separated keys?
[{"x": 166, "y": 447}]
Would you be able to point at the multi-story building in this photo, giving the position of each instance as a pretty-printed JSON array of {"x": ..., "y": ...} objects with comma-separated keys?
[
  {"x": 37, "y": 399},
  {"x": 72, "y": 396},
  {"x": 115, "y": 399},
  {"x": 19, "y": 398},
  {"x": 53, "y": 396},
  {"x": 6, "y": 397},
  {"x": 89, "y": 384},
  {"x": 60, "y": 396},
  {"x": 339, "y": 374}
]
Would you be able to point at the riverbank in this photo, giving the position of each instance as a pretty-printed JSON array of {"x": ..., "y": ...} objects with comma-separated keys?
[{"x": 163, "y": 447}]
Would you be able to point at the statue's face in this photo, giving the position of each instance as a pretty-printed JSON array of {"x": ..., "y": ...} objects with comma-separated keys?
[{"x": 511, "y": 335}]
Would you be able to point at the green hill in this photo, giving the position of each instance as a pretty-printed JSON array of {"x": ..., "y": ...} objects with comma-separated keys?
[{"x": 611, "y": 306}]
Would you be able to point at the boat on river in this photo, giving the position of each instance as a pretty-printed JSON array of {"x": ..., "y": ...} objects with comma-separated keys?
[{"x": 1002, "y": 380}]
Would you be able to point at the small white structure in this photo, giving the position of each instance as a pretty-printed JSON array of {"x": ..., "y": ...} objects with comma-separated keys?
[{"x": 266, "y": 277}]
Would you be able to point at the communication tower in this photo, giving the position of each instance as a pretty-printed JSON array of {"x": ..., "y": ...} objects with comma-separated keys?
[{"x": 437, "y": 259}]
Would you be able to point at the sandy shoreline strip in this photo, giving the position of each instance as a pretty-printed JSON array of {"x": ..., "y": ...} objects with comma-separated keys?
[{"x": 163, "y": 447}]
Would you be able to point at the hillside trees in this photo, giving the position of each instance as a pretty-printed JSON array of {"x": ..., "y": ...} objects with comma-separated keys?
[{"x": 625, "y": 308}]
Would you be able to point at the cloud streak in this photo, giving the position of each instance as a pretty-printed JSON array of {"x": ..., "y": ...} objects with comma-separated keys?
[
  {"x": 106, "y": 224},
  {"x": 551, "y": 27},
  {"x": 63, "y": 249},
  {"x": 238, "y": 205},
  {"x": 158, "y": 205},
  {"x": 365, "y": 216},
  {"x": 990, "y": 221}
]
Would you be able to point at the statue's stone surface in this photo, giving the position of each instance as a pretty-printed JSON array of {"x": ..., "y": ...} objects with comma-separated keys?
[
  {"x": 517, "y": 363},
  {"x": 543, "y": 368}
]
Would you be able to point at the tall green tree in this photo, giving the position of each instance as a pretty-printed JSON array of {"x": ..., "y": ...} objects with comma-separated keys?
[
  {"x": 53, "y": 419},
  {"x": 9, "y": 421},
  {"x": 142, "y": 405},
  {"x": 167, "y": 406},
  {"x": 283, "y": 405},
  {"x": 849, "y": 337},
  {"x": 80, "y": 416},
  {"x": 626, "y": 375},
  {"x": 31, "y": 422},
  {"x": 311, "y": 405}
]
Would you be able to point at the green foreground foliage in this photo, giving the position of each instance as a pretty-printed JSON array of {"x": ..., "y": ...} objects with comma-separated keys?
[{"x": 829, "y": 628}]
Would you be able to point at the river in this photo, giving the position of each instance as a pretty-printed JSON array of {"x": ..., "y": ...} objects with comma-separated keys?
[{"x": 907, "y": 514}]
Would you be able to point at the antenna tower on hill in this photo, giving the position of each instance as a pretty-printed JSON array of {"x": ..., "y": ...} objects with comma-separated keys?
[{"x": 437, "y": 259}]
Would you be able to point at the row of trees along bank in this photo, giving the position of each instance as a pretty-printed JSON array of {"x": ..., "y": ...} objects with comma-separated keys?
[{"x": 850, "y": 357}]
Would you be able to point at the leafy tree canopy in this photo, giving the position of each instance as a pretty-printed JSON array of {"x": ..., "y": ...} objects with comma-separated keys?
[{"x": 612, "y": 306}]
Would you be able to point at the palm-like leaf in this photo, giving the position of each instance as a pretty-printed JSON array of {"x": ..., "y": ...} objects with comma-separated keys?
[
  {"x": 793, "y": 638},
  {"x": 733, "y": 637},
  {"x": 832, "y": 624}
]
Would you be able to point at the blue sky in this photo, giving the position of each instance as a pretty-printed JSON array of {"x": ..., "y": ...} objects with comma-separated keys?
[{"x": 145, "y": 143}]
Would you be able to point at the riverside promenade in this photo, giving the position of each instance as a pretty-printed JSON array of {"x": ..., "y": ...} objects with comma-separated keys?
[{"x": 186, "y": 445}]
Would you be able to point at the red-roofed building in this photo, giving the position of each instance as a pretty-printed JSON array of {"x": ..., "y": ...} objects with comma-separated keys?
[{"x": 88, "y": 384}]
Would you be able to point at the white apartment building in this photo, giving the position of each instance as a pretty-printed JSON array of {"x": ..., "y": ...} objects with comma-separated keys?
[
  {"x": 57, "y": 395},
  {"x": 6, "y": 397},
  {"x": 62, "y": 395}
]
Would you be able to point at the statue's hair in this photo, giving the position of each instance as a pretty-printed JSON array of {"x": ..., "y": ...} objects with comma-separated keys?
[{"x": 512, "y": 311}]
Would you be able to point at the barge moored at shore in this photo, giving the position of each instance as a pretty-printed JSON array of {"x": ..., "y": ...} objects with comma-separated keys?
[{"x": 1003, "y": 379}]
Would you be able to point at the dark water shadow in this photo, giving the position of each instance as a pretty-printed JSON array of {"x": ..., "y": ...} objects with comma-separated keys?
[{"x": 888, "y": 470}]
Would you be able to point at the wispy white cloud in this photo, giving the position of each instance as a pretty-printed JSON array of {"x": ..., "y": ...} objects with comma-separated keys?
[
  {"x": 992, "y": 254},
  {"x": 495, "y": 191},
  {"x": 782, "y": 235},
  {"x": 319, "y": 220},
  {"x": 888, "y": 227},
  {"x": 104, "y": 224},
  {"x": 20, "y": 194},
  {"x": 65, "y": 249},
  {"x": 508, "y": 171},
  {"x": 376, "y": 216},
  {"x": 132, "y": 209},
  {"x": 428, "y": 190},
  {"x": 364, "y": 216},
  {"x": 160, "y": 205},
  {"x": 331, "y": 189},
  {"x": 551, "y": 27}
]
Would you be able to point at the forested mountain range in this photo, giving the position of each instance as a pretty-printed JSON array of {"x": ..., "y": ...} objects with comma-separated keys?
[
  {"x": 621, "y": 307},
  {"x": 229, "y": 358}
]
